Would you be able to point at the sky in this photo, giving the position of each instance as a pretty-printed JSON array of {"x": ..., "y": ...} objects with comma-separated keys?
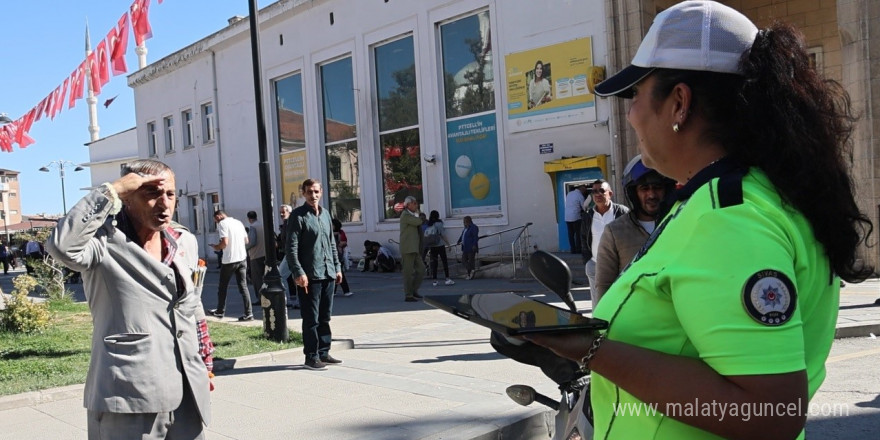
[{"x": 44, "y": 41}]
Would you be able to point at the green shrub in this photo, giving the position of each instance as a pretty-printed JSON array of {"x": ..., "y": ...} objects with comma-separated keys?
[{"x": 21, "y": 313}]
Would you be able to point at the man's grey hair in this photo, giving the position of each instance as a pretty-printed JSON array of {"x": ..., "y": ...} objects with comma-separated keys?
[
  {"x": 287, "y": 208},
  {"x": 146, "y": 167},
  {"x": 409, "y": 199}
]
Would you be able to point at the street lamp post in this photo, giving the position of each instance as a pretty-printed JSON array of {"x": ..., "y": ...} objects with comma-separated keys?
[
  {"x": 60, "y": 165},
  {"x": 275, "y": 315}
]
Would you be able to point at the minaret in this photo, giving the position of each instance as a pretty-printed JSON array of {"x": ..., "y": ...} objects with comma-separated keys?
[{"x": 91, "y": 100}]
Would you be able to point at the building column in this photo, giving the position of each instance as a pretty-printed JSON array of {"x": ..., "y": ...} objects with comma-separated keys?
[{"x": 859, "y": 27}]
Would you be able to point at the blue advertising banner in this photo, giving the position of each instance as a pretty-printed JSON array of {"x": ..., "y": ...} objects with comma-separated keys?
[{"x": 474, "y": 176}]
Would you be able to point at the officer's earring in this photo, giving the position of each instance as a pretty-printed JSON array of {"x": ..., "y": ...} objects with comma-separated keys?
[{"x": 675, "y": 127}]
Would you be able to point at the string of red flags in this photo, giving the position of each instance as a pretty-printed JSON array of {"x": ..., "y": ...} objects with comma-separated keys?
[{"x": 105, "y": 61}]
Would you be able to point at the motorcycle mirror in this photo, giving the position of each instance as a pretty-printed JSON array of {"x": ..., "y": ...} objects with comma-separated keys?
[
  {"x": 553, "y": 274},
  {"x": 521, "y": 394}
]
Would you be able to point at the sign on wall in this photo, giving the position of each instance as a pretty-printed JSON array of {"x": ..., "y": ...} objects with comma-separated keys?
[
  {"x": 474, "y": 177},
  {"x": 547, "y": 86},
  {"x": 294, "y": 170}
]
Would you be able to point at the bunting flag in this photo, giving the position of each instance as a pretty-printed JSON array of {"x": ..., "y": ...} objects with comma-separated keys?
[
  {"x": 76, "y": 84},
  {"x": 40, "y": 107},
  {"x": 47, "y": 109},
  {"x": 59, "y": 97},
  {"x": 23, "y": 126},
  {"x": 117, "y": 42},
  {"x": 94, "y": 79},
  {"x": 109, "y": 101},
  {"x": 140, "y": 22},
  {"x": 103, "y": 63},
  {"x": 5, "y": 140}
]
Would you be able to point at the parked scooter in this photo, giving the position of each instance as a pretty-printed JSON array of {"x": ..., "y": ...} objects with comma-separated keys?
[{"x": 574, "y": 416}]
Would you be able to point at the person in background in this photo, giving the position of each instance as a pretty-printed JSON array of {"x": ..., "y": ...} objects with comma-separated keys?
[
  {"x": 734, "y": 298},
  {"x": 435, "y": 242},
  {"x": 33, "y": 252},
  {"x": 468, "y": 240},
  {"x": 312, "y": 258},
  {"x": 574, "y": 202},
  {"x": 4, "y": 257},
  {"x": 424, "y": 252},
  {"x": 283, "y": 268},
  {"x": 602, "y": 212},
  {"x": 410, "y": 249},
  {"x": 256, "y": 250},
  {"x": 341, "y": 246},
  {"x": 371, "y": 251},
  {"x": 384, "y": 259},
  {"x": 147, "y": 377},
  {"x": 645, "y": 189},
  {"x": 233, "y": 241}
]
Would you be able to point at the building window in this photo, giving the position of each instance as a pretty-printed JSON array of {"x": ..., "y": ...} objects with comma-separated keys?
[
  {"x": 194, "y": 214},
  {"x": 472, "y": 147},
  {"x": 168, "y": 123},
  {"x": 398, "y": 112},
  {"x": 291, "y": 135},
  {"x": 214, "y": 200},
  {"x": 151, "y": 139},
  {"x": 188, "y": 137},
  {"x": 13, "y": 195},
  {"x": 207, "y": 123},
  {"x": 340, "y": 140}
]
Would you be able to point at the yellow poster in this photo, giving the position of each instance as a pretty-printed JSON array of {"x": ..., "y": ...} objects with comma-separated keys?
[
  {"x": 548, "y": 86},
  {"x": 294, "y": 169}
]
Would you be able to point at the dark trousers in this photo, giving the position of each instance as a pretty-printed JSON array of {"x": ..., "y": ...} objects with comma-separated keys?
[
  {"x": 240, "y": 271},
  {"x": 316, "y": 307},
  {"x": 5, "y": 262},
  {"x": 469, "y": 260},
  {"x": 574, "y": 236},
  {"x": 343, "y": 284},
  {"x": 258, "y": 268},
  {"x": 439, "y": 251}
]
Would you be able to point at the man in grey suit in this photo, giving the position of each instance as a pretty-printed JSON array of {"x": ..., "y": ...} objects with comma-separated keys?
[
  {"x": 146, "y": 378},
  {"x": 410, "y": 249}
]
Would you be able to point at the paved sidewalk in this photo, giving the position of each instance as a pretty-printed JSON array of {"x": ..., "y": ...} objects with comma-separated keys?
[{"x": 410, "y": 372}]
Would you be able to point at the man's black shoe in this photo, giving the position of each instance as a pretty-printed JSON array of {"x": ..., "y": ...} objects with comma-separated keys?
[
  {"x": 410, "y": 299},
  {"x": 330, "y": 360},
  {"x": 246, "y": 318},
  {"x": 216, "y": 312},
  {"x": 315, "y": 364},
  {"x": 416, "y": 295},
  {"x": 256, "y": 303}
]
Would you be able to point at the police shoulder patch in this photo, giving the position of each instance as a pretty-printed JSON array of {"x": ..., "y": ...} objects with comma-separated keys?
[{"x": 769, "y": 297}]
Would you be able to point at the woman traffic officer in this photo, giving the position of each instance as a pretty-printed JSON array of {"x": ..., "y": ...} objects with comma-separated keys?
[{"x": 721, "y": 325}]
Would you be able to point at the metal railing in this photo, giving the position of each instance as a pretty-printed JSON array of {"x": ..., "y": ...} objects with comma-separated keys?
[{"x": 513, "y": 243}]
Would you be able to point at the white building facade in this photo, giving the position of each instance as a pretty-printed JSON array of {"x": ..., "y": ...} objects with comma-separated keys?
[{"x": 475, "y": 107}]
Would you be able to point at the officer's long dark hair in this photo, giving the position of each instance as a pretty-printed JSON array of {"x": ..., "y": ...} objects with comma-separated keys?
[{"x": 785, "y": 119}]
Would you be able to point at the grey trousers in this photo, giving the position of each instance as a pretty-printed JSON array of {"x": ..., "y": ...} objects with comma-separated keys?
[
  {"x": 184, "y": 423},
  {"x": 413, "y": 273}
]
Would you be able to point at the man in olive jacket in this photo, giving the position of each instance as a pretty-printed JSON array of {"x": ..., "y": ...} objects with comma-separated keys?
[{"x": 410, "y": 246}]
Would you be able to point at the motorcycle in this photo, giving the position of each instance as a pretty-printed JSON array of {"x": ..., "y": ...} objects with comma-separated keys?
[{"x": 574, "y": 416}]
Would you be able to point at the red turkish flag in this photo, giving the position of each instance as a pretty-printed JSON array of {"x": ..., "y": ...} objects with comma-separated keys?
[
  {"x": 40, "y": 107},
  {"x": 103, "y": 63},
  {"x": 117, "y": 45},
  {"x": 94, "y": 76},
  {"x": 59, "y": 97},
  {"x": 76, "y": 85},
  {"x": 47, "y": 108},
  {"x": 140, "y": 22},
  {"x": 22, "y": 127},
  {"x": 5, "y": 139}
]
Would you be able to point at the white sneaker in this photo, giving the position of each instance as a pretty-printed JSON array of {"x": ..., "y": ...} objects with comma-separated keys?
[
  {"x": 348, "y": 294},
  {"x": 434, "y": 283},
  {"x": 449, "y": 282}
]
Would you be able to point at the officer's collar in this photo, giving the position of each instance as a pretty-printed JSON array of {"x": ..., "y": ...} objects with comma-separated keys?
[{"x": 720, "y": 167}]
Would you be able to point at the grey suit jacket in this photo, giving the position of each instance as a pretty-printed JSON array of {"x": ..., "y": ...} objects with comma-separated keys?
[{"x": 144, "y": 345}]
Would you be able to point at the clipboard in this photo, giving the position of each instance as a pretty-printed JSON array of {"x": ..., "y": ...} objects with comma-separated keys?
[{"x": 513, "y": 315}]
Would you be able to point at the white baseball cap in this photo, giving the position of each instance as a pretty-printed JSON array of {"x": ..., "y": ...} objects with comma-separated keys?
[{"x": 691, "y": 35}]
